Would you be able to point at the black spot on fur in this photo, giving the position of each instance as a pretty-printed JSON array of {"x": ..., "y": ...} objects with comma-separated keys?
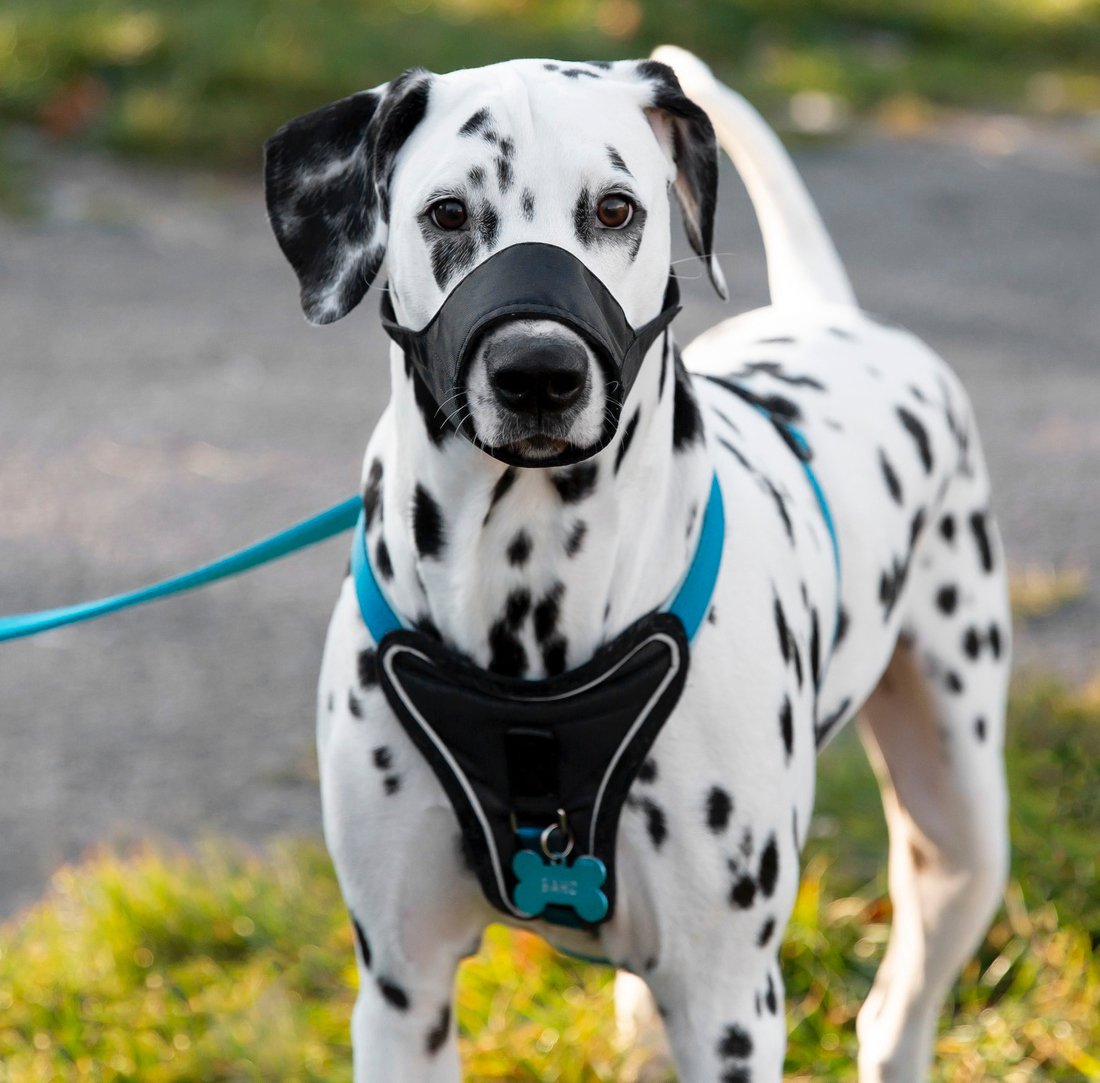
[
  {"x": 354, "y": 706},
  {"x": 437, "y": 1036},
  {"x": 770, "y": 998},
  {"x": 995, "y": 640},
  {"x": 648, "y": 771},
  {"x": 781, "y": 507},
  {"x": 382, "y": 559},
  {"x": 947, "y": 598},
  {"x": 979, "y": 728},
  {"x": 576, "y": 73},
  {"x": 393, "y": 994},
  {"x": 972, "y": 643},
  {"x": 547, "y": 612},
  {"x": 841, "y": 333},
  {"x": 712, "y": 615},
  {"x": 815, "y": 649},
  {"x": 892, "y": 482},
  {"x": 368, "y": 668},
  {"x": 576, "y": 538},
  {"x": 765, "y": 934},
  {"x": 527, "y": 204},
  {"x": 504, "y": 483},
  {"x": 583, "y": 217},
  {"x": 391, "y": 784},
  {"x": 363, "y": 942},
  {"x": 786, "y": 725},
  {"x": 842, "y": 622},
  {"x": 382, "y": 758},
  {"x": 953, "y": 682},
  {"x": 737, "y": 1073},
  {"x": 890, "y": 585},
  {"x": 735, "y": 1043},
  {"x": 776, "y": 372},
  {"x": 477, "y": 176},
  {"x": 719, "y": 809},
  {"x": 778, "y": 340},
  {"x": 553, "y": 656},
  {"x": 919, "y": 433},
  {"x": 687, "y": 422},
  {"x": 576, "y": 483},
  {"x": 479, "y": 122},
  {"x": 519, "y": 549},
  {"x": 428, "y": 531},
  {"x": 769, "y": 867},
  {"x": 372, "y": 493},
  {"x": 504, "y": 174},
  {"x": 947, "y": 528},
  {"x": 655, "y": 822},
  {"x": 743, "y": 893},
  {"x": 981, "y": 538},
  {"x": 617, "y": 162},
  {"x": 507, "y": 655},
  {"x": 825, "y": 726},
  {"x": 628, "y": 436},
  {"x": 783, "y": 630},
  {"x": 517, "y": 607}
]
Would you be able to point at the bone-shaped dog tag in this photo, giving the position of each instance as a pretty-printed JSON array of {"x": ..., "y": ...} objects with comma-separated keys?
[{"x": 577, "y": 885}]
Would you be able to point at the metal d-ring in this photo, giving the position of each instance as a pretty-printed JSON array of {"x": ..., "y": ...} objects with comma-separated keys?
[{"x": 556, "y": 858}]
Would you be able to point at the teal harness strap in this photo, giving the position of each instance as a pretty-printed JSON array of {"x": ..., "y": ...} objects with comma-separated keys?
[
  {"x": 315, "y": 529},
  {"x": 690, "y": 602}
]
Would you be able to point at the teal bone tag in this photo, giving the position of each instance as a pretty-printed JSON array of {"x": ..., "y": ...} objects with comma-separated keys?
[{"x": 542, "y": 883}]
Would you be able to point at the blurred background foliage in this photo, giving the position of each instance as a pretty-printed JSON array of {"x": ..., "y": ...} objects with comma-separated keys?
[
  {"x": 208, "y": 80},
  {"x": 230, "y": 967}
]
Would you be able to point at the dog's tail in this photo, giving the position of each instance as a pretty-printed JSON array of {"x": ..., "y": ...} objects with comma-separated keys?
[{"x": 802, "y": 261}]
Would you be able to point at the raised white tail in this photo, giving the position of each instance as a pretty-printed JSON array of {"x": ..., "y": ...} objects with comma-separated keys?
[{"x": 803, "y": 264}]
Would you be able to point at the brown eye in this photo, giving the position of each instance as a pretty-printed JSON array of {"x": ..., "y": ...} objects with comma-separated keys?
[
  {"x": 614, "y": 212},
  {"x": 449, "y": 214}
]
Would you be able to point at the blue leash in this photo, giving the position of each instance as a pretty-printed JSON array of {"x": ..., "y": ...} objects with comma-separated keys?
[{"x": 315, "y": 529}]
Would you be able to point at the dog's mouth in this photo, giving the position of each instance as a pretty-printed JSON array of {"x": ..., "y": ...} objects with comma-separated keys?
[{"x": 538, "y": 447}]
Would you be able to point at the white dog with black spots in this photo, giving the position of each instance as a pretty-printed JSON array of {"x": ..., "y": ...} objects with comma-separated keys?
[{"x": 527, "y": 570}]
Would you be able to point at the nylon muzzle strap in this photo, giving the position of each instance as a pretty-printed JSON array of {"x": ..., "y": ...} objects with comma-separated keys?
[{"x": 531, "y": 281}]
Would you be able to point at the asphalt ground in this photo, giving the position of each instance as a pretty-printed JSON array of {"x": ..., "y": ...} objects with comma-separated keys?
[{"x": 162, "y": 402}]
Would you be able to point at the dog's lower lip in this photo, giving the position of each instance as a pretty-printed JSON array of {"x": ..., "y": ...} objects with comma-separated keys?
[{"x": 538, "y": 445}]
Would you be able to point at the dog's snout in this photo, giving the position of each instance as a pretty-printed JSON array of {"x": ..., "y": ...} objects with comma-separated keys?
[{"x": 540, "y": 377}]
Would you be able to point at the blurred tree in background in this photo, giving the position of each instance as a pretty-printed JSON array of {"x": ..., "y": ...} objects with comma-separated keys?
[{"x": 208, "y": 80}]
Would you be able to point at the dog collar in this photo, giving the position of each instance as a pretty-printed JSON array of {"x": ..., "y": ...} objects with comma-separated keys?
[
  {"x": 689, "y": 601},
  {"x": 528, "y": 280}
]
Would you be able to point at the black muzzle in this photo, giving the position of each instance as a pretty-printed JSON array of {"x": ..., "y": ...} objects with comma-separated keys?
[{"x": 530, "y": 281}]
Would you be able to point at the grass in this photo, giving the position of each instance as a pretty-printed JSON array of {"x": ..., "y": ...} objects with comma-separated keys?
[
  {"x": 208, "y": 80},
  {"x": 227, "y": 966}
]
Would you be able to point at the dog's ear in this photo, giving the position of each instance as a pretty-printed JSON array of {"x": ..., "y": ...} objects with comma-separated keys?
[
  {"x": 327, "y": 177},
  {"x": 685, "y": 132}
]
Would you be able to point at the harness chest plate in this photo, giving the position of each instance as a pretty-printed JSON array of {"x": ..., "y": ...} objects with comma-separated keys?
[{"x": 539, "y": 768}]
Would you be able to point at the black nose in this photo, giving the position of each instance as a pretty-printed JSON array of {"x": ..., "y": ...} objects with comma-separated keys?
[{"x": 539, "y": 378}]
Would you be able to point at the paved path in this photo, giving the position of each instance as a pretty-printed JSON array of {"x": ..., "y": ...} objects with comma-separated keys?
[{"x": 162, "y": 401}]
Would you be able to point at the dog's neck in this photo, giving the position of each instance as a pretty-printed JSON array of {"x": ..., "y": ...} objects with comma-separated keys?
[{"x": 529, "y": 571}]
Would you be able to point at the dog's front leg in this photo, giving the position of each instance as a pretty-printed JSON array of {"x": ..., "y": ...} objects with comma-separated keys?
[{"x": 395, "y": 845}]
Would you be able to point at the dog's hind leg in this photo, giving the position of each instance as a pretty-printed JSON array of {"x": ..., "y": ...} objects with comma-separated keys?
[{"x": 933, "y": 730}]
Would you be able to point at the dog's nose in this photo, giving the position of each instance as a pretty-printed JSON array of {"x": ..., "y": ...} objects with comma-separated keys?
[{"x": 540, "y": 377}]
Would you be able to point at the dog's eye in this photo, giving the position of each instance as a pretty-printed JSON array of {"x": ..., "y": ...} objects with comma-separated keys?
[
  {"x": 449, "y": 214},
  {"x": 614, "y": 212}
]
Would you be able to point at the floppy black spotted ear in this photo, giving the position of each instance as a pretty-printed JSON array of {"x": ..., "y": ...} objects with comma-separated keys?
[
  {"x": 686, "y": 133},
  {"x": 326, "y": 178}
]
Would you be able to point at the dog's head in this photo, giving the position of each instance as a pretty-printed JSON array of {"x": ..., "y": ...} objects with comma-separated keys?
[{"x": 436, "y": 174}]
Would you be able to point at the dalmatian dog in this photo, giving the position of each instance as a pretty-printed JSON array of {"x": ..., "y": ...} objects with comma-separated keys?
[{"x": 527, "y": 568}]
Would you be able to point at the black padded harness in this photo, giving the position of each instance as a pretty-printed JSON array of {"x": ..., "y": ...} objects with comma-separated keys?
[{"x": 530, "y": 762}]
